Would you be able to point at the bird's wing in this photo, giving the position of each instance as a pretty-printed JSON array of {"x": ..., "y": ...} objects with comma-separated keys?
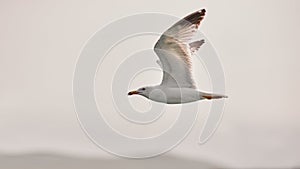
[{"x": 174, "y": 51}]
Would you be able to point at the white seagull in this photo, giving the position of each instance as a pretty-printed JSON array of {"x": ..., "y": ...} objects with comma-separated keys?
[{"x": 174, "y": 50}]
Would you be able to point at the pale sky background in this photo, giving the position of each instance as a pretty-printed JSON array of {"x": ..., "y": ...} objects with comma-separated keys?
[{"x": 257, "y": 41}]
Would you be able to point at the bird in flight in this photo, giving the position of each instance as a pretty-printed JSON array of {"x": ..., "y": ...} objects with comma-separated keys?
[{"x": 174, "y": 50}]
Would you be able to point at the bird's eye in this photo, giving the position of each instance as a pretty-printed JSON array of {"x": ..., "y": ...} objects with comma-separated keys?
[{"x": 143, "y": 89}]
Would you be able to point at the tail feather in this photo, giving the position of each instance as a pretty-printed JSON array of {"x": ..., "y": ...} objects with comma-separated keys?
[{"x": 213, "y": 96}]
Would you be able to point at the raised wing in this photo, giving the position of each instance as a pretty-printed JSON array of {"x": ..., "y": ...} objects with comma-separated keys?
[{"x": 174, "y": 51}]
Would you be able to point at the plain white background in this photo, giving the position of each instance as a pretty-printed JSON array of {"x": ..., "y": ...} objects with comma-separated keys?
[{"x": 257, "y": 41}]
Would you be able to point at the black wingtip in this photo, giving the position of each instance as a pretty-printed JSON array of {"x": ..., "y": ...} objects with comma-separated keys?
[
  {"x": 196, "y": 17},
  {"x": 202, "y": 12}
]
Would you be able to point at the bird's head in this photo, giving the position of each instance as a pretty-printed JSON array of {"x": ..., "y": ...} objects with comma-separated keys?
[{"x": 144, "y": 91}]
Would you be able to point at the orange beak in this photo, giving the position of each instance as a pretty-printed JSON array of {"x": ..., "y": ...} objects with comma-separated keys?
[{"x": 133, "y": 92}]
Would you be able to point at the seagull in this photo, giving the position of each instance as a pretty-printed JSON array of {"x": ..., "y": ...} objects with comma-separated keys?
[{"x": 174, "y": 50}]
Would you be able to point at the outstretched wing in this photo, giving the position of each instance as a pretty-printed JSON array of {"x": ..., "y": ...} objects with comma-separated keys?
[{"x": 174, "y": 51}]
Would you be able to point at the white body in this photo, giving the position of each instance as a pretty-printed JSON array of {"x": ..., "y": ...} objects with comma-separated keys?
[{"x": 174, "y": 95}]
